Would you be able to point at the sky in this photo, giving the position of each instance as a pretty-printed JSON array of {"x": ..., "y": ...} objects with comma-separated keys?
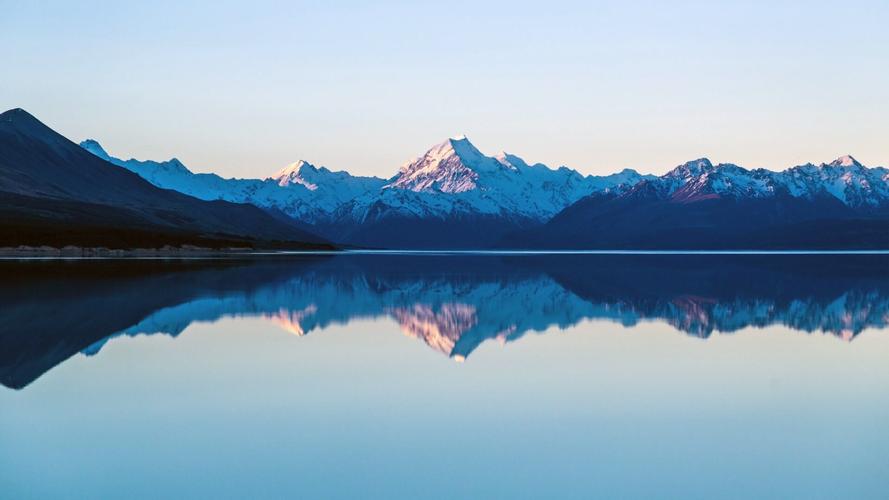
[{"x": 243, "y": 90}]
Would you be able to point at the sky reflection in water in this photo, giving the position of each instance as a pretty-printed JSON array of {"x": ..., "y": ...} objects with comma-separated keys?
[{"x": 687, "y": 376}]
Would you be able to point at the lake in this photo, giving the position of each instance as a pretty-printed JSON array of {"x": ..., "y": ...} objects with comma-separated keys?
[{"x": 446, "y": 376}]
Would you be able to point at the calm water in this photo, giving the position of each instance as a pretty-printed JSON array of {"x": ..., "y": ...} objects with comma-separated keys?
[{"x": 396, "y": 376}]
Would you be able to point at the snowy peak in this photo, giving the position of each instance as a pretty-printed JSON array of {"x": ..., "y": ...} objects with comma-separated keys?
[
  {"x": 510, "y": 160},
  {"x": 700, "y": 179},
  {"x": 465, "y": 149},
  {"x": 452, "y": 166},
  {"x": 328, "y": 187},
  {"x": 301, "y": 172},
  {"x": 464, "y": 180},
  {"x": 95, "y": 148},
  {"x": 515, "y": 162},
  {"x": 845, "y": 179},
  {"x": 457, "y": 147},
  {"x": 294, "y": 168},
  {"x": 147, "y": 169},
  {"x": 691, "y": 169},
  {"x": 845, "y": 161}
]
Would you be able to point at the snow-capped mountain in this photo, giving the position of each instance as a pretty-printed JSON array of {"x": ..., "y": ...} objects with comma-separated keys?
[
  {"x": 845, "y": 179},
  {"x": 454, "y": 196},
  {"x": 453, "y": 166},
  {"x": 300, "y": 190},
  {"x": 450, "y": 185},
  {"x": 504, "y": 184},
  {"x": 841, "y": 204}
]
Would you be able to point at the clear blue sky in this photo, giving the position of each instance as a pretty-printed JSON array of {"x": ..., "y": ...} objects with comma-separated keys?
[{"x": 598, "y": 86}]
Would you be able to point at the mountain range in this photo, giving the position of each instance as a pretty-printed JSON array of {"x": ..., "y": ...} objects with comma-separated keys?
[
  {"x": 452, "y": 196},
  {"x": 836, "y": 205},
  {"x": 53, "y": 192}
]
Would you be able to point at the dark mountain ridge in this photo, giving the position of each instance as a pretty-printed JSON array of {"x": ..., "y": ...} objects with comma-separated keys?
[{"x": 53, "y": 192}]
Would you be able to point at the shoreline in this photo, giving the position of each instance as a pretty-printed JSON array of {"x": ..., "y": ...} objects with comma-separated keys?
[
  {"x": 190, "y": 251},
  {"x": 25, "y": 252}
]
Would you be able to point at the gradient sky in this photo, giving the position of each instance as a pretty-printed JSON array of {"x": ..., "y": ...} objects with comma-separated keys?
[{"x": 243, "y": 90}]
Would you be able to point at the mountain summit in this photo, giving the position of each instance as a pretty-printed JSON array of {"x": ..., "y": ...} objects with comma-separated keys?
[
  {"x": 21, "y": 118},
  {"x": 297, "y": 173},
  {"x": 845, "y": 161},
  {"x": 504, "y": 185},
  {"x": 18, "y": 122},
  {"x": 95, "y": 148},
  {"x": 452, "y": 166}
]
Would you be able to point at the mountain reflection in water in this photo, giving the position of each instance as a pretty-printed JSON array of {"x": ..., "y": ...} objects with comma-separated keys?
[{"x": 53, "y": 310}]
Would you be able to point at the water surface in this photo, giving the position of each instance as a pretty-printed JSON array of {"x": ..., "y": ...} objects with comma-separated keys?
[{"x": 426, "y": 375}]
